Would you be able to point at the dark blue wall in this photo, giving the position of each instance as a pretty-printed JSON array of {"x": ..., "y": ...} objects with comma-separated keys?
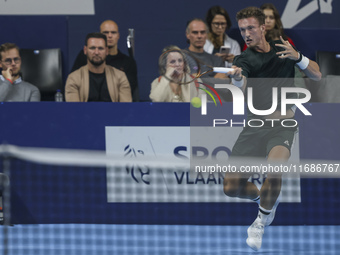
[
  {"x": 56, "y": 194},
  {"x": 157, "y": 24}
]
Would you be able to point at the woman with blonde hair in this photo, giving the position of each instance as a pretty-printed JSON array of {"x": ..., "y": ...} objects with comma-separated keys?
[{"x": 172, "y": 85}]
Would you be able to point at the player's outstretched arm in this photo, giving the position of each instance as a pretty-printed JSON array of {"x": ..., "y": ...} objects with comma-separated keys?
[
  {"x": 312, "y": 71},
  {"x": 309, "y": 67},
  {"x": 237, "y": 78}
]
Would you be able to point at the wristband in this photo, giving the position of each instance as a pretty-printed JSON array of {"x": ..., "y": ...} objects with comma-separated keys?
[
  {"x": 303, "y": 63},
  {"x": 300, "y": 57},
  {"x": 238, "y": 83},
  {"x": 9, "y": 80}
]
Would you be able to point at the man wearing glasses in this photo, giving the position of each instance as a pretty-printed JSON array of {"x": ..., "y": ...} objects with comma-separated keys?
[{"x": 12, "y": 87}]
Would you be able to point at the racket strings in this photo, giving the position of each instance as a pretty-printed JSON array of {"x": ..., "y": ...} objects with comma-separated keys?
[{"x": 181, "y": 67}]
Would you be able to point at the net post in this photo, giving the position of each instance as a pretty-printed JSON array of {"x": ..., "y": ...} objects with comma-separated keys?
[{"x": 6, "y": 197}]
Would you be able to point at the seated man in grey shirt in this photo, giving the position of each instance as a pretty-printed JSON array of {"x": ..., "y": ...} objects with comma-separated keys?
[
  {"x": 12, "y": 87},
  {"x": 196, "y": 33}
]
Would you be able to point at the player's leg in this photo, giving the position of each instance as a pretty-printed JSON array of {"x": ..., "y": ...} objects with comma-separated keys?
[
  {"x": 269, "y": 195},
  {"x": 247, "y": 145},
  {"x": 237, "y": 185},
  {"x": 271, "y": 188},
  {"x": 278, "y": 147}
]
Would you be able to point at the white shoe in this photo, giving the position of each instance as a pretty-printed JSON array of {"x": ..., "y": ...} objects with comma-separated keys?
[
  {"x": 271, "y": 216},
  {"x": 255, "y": 233}
]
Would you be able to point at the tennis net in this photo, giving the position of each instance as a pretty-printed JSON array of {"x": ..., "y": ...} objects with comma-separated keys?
[{"x": 89, "y": 202}]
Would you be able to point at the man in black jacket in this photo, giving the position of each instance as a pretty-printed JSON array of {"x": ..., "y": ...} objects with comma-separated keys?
[{"x": 115, "y": 58}]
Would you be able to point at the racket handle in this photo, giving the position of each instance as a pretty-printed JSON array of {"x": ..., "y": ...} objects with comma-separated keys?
[{"x": 222, "y": 69}]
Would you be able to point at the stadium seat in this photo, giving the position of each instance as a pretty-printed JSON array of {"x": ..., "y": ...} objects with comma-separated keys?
[
  {"x": 329, "y": 62},
  {"x": 43, "y": 68},
  {"x": 327, "y": 90}
]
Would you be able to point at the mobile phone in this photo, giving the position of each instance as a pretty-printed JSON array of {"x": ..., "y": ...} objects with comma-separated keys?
[{"x": 225, "y": 49}]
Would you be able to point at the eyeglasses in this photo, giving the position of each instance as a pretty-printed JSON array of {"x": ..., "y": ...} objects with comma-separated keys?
[
  {"x": 218, "y": 24},
  {"x": 8, "y": 61}
]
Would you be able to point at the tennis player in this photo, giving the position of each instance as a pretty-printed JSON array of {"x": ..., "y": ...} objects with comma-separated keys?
[{"x": 264, "y": 60}]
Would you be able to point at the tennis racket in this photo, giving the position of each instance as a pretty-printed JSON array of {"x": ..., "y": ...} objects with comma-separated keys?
[{"x": 182, "y": 67}]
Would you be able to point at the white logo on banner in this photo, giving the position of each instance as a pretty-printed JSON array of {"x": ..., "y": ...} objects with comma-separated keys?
[
  {"x": 47, "y": 7},
  {"x": 140, "y": 183},
  {"x": 292, "y": 15}
]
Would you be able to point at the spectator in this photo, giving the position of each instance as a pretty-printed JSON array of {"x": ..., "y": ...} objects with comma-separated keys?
[
  {"x": 196, "y": 33},
  {"x": 97, "y": 81},
  {"x": 273, "y": 21},
  {"x": 171, "y": 85},
  {"x": 218, "y": 21},
  {"x": 12, "y": 87},
  {"x": 115, "y": 57}
]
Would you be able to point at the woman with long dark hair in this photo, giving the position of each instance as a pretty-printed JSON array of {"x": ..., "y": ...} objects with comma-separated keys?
[{"x": 218, "y": 21}]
